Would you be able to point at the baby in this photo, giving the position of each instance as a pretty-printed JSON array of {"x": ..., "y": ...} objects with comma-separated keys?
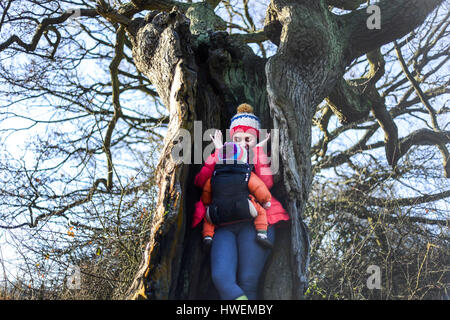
[{"x": 232, "y": 194}]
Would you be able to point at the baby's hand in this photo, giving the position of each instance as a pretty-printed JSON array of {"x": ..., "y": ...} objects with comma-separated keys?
[{"x": 267, "y": 205}]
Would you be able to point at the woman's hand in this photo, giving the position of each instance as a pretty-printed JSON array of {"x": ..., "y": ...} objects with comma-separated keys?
[
  {"x": 263, "y": 143},
  {"x": 217, "y": 139}
]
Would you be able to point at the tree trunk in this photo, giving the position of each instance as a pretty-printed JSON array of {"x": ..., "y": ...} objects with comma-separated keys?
[{"x": 200, "y": 77}]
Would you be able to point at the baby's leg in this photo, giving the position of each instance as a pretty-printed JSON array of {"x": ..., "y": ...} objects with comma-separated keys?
[
  {"x": 208, "y": 228},
  {"x": 260, "y": 224},
  {"x": 261, "y": 218}
]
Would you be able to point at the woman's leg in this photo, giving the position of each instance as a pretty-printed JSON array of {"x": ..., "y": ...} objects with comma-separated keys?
[
  {"x": 224, "y": 260},
  {"x": 252, "y": 258}
]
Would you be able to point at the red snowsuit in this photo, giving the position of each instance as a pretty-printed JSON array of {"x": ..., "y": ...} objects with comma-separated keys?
[{"x": 276, "y": 211}]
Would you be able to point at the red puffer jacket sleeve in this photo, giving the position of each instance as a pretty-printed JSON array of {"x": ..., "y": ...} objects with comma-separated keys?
[
  {"x": 262, "y": 166},
  {"x": 206, "y": 171},
  {"x": 199, "y": 213}
]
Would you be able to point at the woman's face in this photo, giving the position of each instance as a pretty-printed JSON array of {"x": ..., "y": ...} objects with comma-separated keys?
[{"x": 246, "y": 140}]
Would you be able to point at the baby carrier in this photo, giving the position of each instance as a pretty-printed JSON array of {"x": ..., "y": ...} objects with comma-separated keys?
[{"x": 230, "y": 194}]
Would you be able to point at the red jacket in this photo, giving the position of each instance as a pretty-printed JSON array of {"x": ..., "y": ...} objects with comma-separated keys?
[{"x": 276, "y": 211}]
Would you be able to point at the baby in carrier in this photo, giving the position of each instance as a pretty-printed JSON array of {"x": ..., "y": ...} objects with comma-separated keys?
[{"x": 232, "y": 195}]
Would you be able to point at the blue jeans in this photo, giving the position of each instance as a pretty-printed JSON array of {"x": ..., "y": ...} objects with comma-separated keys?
[{"x": 237, "y": 260}]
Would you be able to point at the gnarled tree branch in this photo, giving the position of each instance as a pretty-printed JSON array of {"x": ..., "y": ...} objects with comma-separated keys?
[{"x": 346, "y": 4}]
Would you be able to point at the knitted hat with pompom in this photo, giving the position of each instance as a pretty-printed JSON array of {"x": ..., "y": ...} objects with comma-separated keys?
[{"x": 245, "y": 121}]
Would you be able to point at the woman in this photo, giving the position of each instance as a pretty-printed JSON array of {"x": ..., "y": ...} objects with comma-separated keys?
[{"x": 237, "y": 260}]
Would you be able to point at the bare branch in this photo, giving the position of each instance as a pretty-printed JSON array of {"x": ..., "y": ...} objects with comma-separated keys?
[
  {"x": 423, "y": 98},
  {"x": 5, "y": 11},
  {"x": 213, "y": 3},
  {"x": 42, "y": 28},
  {"x": 255, "y": 37},
  {"x": 346, "y": 4},
  {"x": 135, "y": 6},
  {"x": 114, "y": 67},
  {"x": 58, "y": 213},
  {"x": 403, "y": 202},
  {"x": 364, "y": 213}
]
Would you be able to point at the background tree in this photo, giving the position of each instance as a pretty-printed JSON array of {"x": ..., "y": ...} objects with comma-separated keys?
[{"x": 325, "y": 64}]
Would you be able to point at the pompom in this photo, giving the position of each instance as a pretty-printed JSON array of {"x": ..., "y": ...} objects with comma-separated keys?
[{"x": 245, "y": 108}]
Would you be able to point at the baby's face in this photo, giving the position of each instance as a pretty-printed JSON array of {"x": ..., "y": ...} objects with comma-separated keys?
[{"x": 246, "y": 140}]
